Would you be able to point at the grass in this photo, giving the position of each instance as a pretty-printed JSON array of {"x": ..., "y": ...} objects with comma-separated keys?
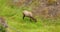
[{"x": 13, "y": 16}]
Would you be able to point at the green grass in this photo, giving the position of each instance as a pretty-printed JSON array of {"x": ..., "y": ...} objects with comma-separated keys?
[{"x": 13, "y": 16}]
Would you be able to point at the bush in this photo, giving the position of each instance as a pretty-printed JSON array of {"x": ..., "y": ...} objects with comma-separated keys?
[
  {"x": 2, "y": 28},
  {"x": 50, "y": 2}
]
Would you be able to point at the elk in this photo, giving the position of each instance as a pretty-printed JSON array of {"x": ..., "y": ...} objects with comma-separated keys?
[
  {"x": 29, "y": 14},
  {"x": 3, "y": 22}
]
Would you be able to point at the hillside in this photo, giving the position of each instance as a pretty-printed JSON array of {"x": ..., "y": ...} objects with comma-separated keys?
[{"x": 47, "y": 13}]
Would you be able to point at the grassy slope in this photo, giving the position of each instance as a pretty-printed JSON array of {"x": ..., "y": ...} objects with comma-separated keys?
[{"x": 14, "y": 19}]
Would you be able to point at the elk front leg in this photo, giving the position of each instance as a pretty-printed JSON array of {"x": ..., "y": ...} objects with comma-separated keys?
[{"x": 23, "y": 16}]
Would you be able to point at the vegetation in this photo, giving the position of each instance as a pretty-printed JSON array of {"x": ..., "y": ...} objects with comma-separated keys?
[
  {"x": 13, "y": 16},
  {"x": 2, "y": 28},
  {"x": 51, "y": 1}
]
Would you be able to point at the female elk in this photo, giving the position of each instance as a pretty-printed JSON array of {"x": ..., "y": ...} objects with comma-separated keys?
[{"x": 28, "y": 14}]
